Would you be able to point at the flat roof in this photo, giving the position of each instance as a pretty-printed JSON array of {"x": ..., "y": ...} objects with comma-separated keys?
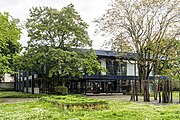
[{"x": 106, "y": 53}]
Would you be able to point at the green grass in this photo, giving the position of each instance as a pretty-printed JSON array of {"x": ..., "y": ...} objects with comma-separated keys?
[
  {"x": 176, "y": 95},
  {"x": 13, "y": 94},
  {"x": 117, "y": 110},
  {"x": 6, "y": 89},
  {"x": 72, "y": 99}
]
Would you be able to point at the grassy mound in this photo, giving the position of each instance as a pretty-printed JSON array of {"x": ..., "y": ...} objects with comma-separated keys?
[{"x": 73, "y": 102}]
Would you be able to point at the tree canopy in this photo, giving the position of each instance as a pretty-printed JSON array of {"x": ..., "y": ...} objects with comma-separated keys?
[
  {"x": 56, "y": 41},
  {"x": 57, "y": 28},
  {"x": 9, "y": 44}
]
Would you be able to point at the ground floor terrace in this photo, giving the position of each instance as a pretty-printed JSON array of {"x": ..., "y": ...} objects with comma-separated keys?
[{"x": 96, "y": 84}]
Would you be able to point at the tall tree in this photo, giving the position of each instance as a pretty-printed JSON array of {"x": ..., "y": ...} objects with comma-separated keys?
[
  {"x": 9, "y": 44},
  {"x": 55, "y": 39},
  {"x": 143, "y": 25},
  {"x": 51, "y": 27}
]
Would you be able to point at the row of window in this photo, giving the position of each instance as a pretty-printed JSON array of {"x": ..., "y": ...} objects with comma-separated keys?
[{"x": 114, "y": 67}]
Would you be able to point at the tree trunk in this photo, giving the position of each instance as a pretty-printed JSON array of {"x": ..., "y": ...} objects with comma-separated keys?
[
  {"x": 179, "y": 95},
  {"x": 143, "y": 77},
  {"x": 171, "y": 91},
  {"x": 159, "y": 91},
  {"x": 140, "y": 79},
  {"x": 146, "y": 91},
  {"x": 179, "y": 90},
  {"x": 163, "y": 99},
  {"x": 155, "y": 91},
  {"x": 140, "y": 86},
  {"x": 164, "y": 92},
  {"x": 168, "y": 91},
  {"x": 136, "y": 89},
  {"x": 132, "y": 91}
]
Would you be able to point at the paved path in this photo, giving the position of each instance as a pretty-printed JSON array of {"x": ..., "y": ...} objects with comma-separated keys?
[{"x": 109, "y": 96}]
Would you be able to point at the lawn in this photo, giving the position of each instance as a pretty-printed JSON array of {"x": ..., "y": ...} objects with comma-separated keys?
[
  {"x": 13, "y": 94},
  {"x": 117, "y": 110}
]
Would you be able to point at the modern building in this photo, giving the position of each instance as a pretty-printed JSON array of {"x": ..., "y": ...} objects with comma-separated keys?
[{"x": 120, "y": 73}]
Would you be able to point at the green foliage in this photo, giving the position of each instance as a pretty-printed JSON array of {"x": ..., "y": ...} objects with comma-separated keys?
[
  {"x": 73, "y": 102},
  {"x": 172, "y": 68},
  {"x": 55, "y": 37},
  {"x": 61, "y": 90},
  {"x": 9, "y": 45},
  {"x": 61, "y": 28}
]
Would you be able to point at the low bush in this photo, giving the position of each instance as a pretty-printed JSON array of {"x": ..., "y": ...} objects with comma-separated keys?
[{"x": 61, "y": 90}]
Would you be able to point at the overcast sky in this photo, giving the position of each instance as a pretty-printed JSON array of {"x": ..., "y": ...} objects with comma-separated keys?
[{"x": 88, "y": 9}]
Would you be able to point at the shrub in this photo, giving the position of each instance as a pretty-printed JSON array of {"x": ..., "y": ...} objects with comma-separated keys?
[{"x": 61, "y": 90}]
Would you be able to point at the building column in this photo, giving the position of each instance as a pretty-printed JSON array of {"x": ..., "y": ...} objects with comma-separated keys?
[
  {"x": 15, "y": 81},
  {"x": 32, "y": 83},
  {"x": 22, "y": 81},
  {"x": 19, "y": 80},
  {"x": 85, "y": 87},
  {"x": 27, "y": 81}
]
